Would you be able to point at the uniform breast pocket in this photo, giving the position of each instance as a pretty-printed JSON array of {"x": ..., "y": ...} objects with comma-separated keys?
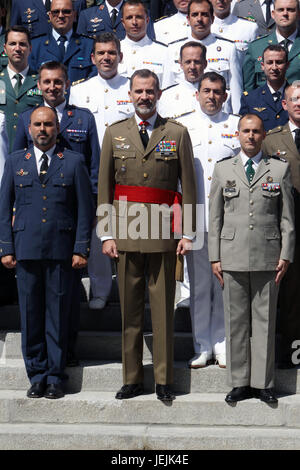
[
  {"x": 231, "y": 197},
  {"x": 271, "y": 200},
  {"x": 78, "y": 140},
  {"x": 61, "y": 189},
  {"x": 95, "y": 29},
  {"x": 166, "y": 166},
  {"x": 23, "y": 188},
  {"x": 124, "y": 163},
  {"x": 220, "y": 66}
]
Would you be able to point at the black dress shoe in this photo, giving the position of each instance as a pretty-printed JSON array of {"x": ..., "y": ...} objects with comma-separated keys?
[
  {"x": 238, "y": 394},
  {"x": 266, "y": 395},
  {"x": 164, "y": 393},
  {"x": 54, "y": 391},
  {"x": 130, "y": 391},
  {"x": 36, "y": 390}
]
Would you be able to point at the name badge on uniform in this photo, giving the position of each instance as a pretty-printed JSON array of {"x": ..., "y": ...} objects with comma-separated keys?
[
  {"x": 166, "y": 147},
  {"x": 2, "y": 92},
  {"x": 271, "y": 187}
]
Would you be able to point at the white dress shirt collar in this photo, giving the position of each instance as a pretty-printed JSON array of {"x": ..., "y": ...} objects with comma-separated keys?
[
  {"x": 59, "y": 109},
  {"x": 145, "y": 41},
  {"x": 291, "y": 38},
  {"x": 256, "y": 159},
  {"x": 56, "y": 35},
  {"x": 110, "y": 8},
  {"x": 38, "y": 156},
  {"x": 12, "y": 73}
]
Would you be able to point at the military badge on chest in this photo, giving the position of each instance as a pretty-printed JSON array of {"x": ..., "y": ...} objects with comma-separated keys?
[
  {"x": 270, "y": 185},
  {"x": 230, "y": 186},
  {"x": 166, "y": 148}
]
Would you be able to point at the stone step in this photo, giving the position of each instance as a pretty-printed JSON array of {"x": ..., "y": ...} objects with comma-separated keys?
[
  {"x": 195, "y": 409},
  {"x": 107, "y": 376},
  {"x": 144, "y": 437},
  {"x": 102, "y": 345},
  {"x": 108, "y": 319}
]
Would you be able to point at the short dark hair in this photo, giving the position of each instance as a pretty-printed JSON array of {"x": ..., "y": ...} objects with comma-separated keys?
[
  {"x": 193, "y": 44},
  {"x": 198, "y": 2},
  {"x": 213, "y": 77},
  {"x": 277, "y": 48},
  {"x": 17, "y": 29},
  {"x": 145, "y": 73},
  {"x": 107, "y": 37},
  {"x": 134, "y": 3},
  {"x": 250, "y": 116},
  {"x": 53, "y": 65}
]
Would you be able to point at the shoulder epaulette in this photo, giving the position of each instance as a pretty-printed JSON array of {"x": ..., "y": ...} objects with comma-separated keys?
[
  {"x": 79, "y": 81},
  {"x": 160, "y": 43},
  {"x": 178, "y": 40},
  {"x": 277, "y": 157},
  {"x": 175, "y": 122},
  {"x": 162, "y": 18},
  {"x": 170, "y": 86},
  {"x": 183, "y": 114},
  {"x": 275, "y": 130},
  {"x": 248, "y": 18},
  {"x": 120, "y": 120},
  {"x": 225, "y": 158},
  {"x": 236, "y": 115},
  {"x": 259, "y": 37},
  {"x": 223, "y": 39}
]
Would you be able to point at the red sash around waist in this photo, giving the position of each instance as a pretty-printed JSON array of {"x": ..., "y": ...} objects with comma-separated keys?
[{"x": 148, "y": 195}]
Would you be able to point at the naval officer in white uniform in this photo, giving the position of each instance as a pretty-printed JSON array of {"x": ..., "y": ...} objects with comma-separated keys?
[
  {"x": 174, "y": 27},
  {"x": 214, "y": 136}
]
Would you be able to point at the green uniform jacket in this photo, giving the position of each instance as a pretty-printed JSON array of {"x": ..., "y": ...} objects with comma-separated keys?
[
  {"x": 253, "y": 76},
  {"x": 124, "y": 161},
  {"x": 28, "y": 97}
]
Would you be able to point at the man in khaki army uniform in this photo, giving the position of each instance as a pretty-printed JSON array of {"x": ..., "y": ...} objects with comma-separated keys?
[
  {"x": 18, "y": 84},
  {"x": 145, "y": 169},
  {"x": 251, "y": 243},
  {"x": 284, "y": 142}
]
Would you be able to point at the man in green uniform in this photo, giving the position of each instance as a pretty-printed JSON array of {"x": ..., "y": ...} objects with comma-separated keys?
[{"x": 18, "y": 84}]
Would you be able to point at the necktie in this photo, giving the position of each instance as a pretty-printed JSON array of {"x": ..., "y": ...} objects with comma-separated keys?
[
  {"x": 276, "y": 96},
  {"x": 143, "y": 132},
  {"x": 250, "y": 170},
  {"x": 285, "y": 43},
  {"x": 48, "y": 5},
  {"x": 18, "y": 84},
  {"x": 113, "y": 17},
  {"x": 297, "y": 139},
  {"x": 268, "y": 11},
  {"x": 44, "y": 167},
  {"x": 62, "y": 40}
]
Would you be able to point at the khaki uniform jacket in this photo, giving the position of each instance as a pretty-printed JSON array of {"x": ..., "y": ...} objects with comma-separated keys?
[
  {"x": 251, "y": 225},
  {"x": 124, "y": 161},
  {"x": 280, "y": 142}
]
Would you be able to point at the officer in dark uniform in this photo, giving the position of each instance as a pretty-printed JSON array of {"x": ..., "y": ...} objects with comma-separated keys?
[
  {"x": 50, "y": 189},
  {"x": 102, "y": 18},
  {"x": 18, "y": 83},
  {"x": 265, "y": 101},
  {"x": 33, "y": 14},
  {"x": 78, "y": 132},
  {"x": 62, "y": 43}
]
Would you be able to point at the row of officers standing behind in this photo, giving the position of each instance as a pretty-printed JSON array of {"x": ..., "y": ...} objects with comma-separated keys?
[{"x": 203, "y": 104}]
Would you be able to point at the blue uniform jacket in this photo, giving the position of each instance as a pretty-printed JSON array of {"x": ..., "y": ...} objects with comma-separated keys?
[
  {"x": 96, "y": 20},
  {"x": 77, "y": 57},
  {"x": 78, "y": 132},
  {"x": 33, "y": 15},
  {"x": 53, "y": 220},
  {"x": 260, "y": 101}
]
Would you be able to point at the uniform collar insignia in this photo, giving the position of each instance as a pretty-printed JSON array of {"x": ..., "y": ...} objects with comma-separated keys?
[
  {"x": 28, "y": 155},
  {"x": 60, "y": 155},
  {"x": 70, "y": 113}
]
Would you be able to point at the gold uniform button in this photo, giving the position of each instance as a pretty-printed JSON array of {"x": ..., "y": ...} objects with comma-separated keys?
[
  {"x": 44, "y": 220},
  {"x": 144, "y": 160},
  {"x": 15, "y": 127},
  {"x": 123, "y": 157},
  {"x": 106, "y": 90},
  {"x": 277, "y": 117},
  {"x": 44, "y": 209},
  {"x": 209, "y": 125},
  {"x": 16, "y": 114},
  {"x": 106, "y": 107},
  {"x": 106, "y": 124},
  {"x": 21, "y": 186},
  {"x": 251, "y": 190},
  {"x": 43, "y": 185},
  {"x": 209, "y": 178},
  {"x": 251, "y": 214},
  {"x": 44, "y": 197},
  {"x": 210, "y": 142},
  {"x": 210, "y": 159},
  {"x": 145, "y": 175},
  {"x": 251, "y": 227},
  {"x": 16, "y": 102},
  {"x": 251, "y": 202}
]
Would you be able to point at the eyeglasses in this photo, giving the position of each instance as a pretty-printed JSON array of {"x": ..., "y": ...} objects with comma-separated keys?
[{"x": 64, "y": 11}]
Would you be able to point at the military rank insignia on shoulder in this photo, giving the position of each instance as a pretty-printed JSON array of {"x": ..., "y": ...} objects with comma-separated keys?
[
  {"x": 160, "y": 43},
  {"x": 245, "y": 93},
  {"x": 178, "y": 40},
  {"x": 248, "y": 18},
  {"x": 79, "y": 81},
  {"x": 161, "y": 18},
  {"x": 183, "y": 114},
  {"x": 170, "y": 86},
  {"x": 117, "y": 122},
  {"x": 275, "y": 130},
  {"x": 225, "y": 158},
  {"x": 223, "y": 39},
  {"x": 279, "y": 155}
]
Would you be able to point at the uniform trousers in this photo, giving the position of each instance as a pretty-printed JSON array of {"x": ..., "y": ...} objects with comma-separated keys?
[
  {"x": 99, "y": 269},
  {"x": 44, "y": 288},
  {"x": 159, "y": 269},
  {"x": 206, "y": 303},
  {"x": 250, "y": 301}
]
